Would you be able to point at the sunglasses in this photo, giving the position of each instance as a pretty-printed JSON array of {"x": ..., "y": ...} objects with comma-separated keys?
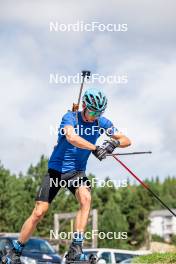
[{"x": 94, "y": 114}]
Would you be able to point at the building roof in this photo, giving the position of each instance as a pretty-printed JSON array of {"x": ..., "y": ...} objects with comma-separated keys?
[{"x": 163, "y": 213}]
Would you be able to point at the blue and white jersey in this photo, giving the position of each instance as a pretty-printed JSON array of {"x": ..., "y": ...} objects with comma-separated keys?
[{"x": 65, "y": 156}]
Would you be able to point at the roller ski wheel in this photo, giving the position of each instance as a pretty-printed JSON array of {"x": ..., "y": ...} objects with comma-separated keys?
[
  {"x": 11, "y": 254},
  {"x": 12, "y": 257}
]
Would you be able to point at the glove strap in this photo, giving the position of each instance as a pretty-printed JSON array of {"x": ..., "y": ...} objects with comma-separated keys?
[{"x": 115, "y": 143}]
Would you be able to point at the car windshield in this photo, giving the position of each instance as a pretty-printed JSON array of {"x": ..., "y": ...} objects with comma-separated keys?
[{"x": 38, "y": 245}]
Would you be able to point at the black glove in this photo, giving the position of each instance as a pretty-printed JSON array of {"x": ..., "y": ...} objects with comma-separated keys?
[
  {"x": 99, "y": 153},
  {"x": 110, "y": 145}
]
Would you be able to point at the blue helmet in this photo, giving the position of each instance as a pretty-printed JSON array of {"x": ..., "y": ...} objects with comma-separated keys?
[{"x": 95, "y": 100}]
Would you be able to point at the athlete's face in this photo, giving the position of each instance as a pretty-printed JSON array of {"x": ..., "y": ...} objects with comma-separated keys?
[{"x": 91, "y": 116}]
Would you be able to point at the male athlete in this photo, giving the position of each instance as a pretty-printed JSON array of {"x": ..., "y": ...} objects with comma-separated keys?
[{"x": 77, "y": 138}]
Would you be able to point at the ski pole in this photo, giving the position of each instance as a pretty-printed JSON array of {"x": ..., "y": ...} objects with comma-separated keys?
[
  {"x": 84, "y": 74},
  {"x": 131, "y": 153},
  {"x": 143, "y": 184}
]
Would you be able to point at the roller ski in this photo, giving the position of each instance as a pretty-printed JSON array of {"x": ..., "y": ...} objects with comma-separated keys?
[{"x": 12, "y": 255}]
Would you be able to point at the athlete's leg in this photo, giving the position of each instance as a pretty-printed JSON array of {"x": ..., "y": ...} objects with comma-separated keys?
[
  {"x": 13, "y": 256},
  {"x": 83, "y": 196},
  {"x": 44, "y": 197},
  {"x": 30, "y": 224}
]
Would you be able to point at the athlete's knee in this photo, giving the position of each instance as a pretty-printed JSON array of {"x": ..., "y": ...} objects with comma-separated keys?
[
  {"x": 40, "y": 210},
  {"x": 85, "y": 198}
]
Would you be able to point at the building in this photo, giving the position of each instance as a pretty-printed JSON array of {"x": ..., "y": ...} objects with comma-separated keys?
[{"x": 163, "y": 224}]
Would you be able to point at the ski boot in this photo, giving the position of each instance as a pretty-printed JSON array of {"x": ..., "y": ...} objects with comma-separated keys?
[
  {"x": 75, "y": 253},
  {"x": 13, "y": 254}
]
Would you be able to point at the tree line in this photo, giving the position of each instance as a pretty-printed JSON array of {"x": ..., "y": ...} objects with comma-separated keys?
[{"x": 119, "y": 209}]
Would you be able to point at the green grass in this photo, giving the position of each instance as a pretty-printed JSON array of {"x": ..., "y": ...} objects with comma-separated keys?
[{"x": 157, "y": 258}]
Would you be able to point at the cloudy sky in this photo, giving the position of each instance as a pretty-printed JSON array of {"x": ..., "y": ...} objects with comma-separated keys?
[{"x": 144, "y": 108}]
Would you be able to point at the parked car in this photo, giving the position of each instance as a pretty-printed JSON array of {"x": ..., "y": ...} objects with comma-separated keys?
[
  {"x": 113, "y": 256},
  {"x": 36, "y": 250}
]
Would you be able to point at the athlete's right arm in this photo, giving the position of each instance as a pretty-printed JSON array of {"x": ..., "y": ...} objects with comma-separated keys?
[{"x": 76, "y": 140}]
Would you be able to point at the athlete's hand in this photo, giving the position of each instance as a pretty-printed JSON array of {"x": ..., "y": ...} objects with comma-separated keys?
[
  {"x": 110, "y": 145},
  {"x": 99, "y": 153}
]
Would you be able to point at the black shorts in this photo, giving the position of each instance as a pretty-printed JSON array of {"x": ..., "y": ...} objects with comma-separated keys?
[{"x": 55, "y": 180}]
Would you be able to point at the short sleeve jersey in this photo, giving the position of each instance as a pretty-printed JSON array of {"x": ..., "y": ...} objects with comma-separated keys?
[{"x": 66, "y": 157}]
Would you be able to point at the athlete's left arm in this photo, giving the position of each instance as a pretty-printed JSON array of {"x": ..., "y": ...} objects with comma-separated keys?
[{"x": 124, "y": 141}]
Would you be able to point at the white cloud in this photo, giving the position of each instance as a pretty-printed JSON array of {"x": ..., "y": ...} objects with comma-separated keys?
[{"x": 143, "y": 108}]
